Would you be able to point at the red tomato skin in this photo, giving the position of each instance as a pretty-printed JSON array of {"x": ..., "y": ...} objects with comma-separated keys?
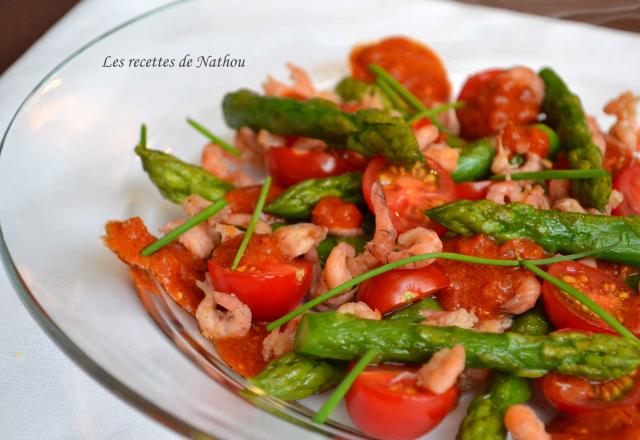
[
  {"x": 268, "y": 295},
  {"x": 243, "y": 200},
  {"x": 473, "y": 190},
  {"x": 289, "y": 166},
  {"x": 628, "y": 183},
  {"x": 571, "y": 394},
  {"x": 563, "y": 316},
  {"x": 388, "y": 291},
  {"x": 333, "y": 212},
  {"x": 386, "y": 414},
  {"x": 401, "y": 221}
]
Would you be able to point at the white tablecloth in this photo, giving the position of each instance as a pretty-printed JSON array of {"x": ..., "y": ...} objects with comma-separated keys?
[{"x": 43, "y": 394}]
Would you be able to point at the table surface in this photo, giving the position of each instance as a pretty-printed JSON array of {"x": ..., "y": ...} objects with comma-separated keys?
[{"x": 45, "y": 395}]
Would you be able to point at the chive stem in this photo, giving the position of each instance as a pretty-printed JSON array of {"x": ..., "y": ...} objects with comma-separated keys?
[
  {"x": 343, "y": 387},
  {"x": 399, "y": 263},
  {"x": 193, "y": 221},
  {"x": 396, "y": 100},
  {"x": 554, "y": 174},
  {"x": 432, "y": 112},
  {"x": 584, "y": 299},
  {"x": 215, "y": 139},
  {"x": 254, "y": 220},
  {"x": 385, "y": 77}
]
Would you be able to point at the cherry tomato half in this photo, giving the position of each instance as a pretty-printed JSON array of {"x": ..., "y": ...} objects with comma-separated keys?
[
  {"x": 397, "y": 288},
  {"x": 391, "y": 409},
  {"x": 336, "y": 214},
  {"x": 414, "y": 65},
  {"x": 628, "y": 183},
  {"x": 493, "y": 98},
  {"x": 409, "y": 191},
  {"x": 610, "y": 293},
  {"x": 574, "y": 395},
  {"x": 265, "y": 280},
  {"x": 288, "y": 165}
]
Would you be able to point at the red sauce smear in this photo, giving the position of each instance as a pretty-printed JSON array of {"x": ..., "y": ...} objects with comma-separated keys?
[
  {"x": 243, "y": 354},
  {"x": 612, "y": 424},
  {"x": 175, "y": 268},
  {"x": 414, "y": 65},
  {"x": 483, "y": 288},
  {"x": 525, "y": 139}
]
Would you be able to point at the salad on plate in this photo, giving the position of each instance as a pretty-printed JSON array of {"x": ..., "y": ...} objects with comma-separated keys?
[{"x": 406, "y": 247}]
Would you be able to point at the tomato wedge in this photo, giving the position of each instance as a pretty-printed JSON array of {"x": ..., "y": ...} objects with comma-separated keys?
[
  {"x": 628, "y": 183},
  {"x": 409, "y": 191},
  {"x": 389, "y": 407},
  {"x": 288, "y": 165},
  {"x": 610, "y": 293},
  {"x": 574, "y": 395},
  {"x": 265, "y": 280},
  {"x": 414, "y": 65},
  {"x": 492, "y": 99},
  {"x": 397, "y": 288}
]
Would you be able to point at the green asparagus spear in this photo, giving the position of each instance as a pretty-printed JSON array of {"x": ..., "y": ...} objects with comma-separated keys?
[
  {"x": 412, "y": 313},
  {"x": 369, "y": 132},
  {"x": 176, "y": 179},
  {"x": 325, "y": 246},
  {"x": 484, "y": 419},
  {"x": 486, "y": 411},
  {"x": 337, "y": 336},
  {"x": 566, "y": 116},
  {"x": 611, "y": 238},
  {"x": 296, "y": 376},
  {"x": 298, "y": 200}
]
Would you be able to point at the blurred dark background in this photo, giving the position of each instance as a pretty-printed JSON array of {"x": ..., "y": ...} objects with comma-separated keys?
[{"x": 22, "y": 22}]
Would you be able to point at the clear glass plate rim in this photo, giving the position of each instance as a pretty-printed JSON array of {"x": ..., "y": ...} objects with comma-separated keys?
[{"x": 39, "y": 314}]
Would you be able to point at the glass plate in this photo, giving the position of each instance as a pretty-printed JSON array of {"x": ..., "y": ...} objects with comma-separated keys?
[{"x": 67, "y": 166}]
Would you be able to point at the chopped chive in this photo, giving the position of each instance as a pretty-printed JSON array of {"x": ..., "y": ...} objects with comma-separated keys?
[
  {"x": 396, "y": 100},
  {"x": 410, "y": 98},
  {"x": 584, "y": 299},
  {"x": 143, "y": 136},
  {"x": 560, "y": 258},
  {"x": 342, "y": 388},
  {"x": 215, "y": 139},
  {"x": 554, "y": 174},
  {"x": 432, "y": 112},
  {"x": 252, "y": 224},
  {"x": 399, "y": 263},
  {"x": 193, "y": 221}
]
